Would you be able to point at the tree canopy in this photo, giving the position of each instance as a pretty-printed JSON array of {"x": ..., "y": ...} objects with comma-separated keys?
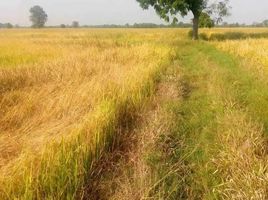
[
  {"x": 38, "y": 17},
  {"x": 265, "y": 22},
  {"x": 167, "y": 9},
  {"x": 205, "y": 21}
]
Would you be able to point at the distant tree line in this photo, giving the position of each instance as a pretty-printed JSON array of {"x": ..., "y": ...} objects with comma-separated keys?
[
  {"x": 39, "y": 18},
  {"x": 76, "y": 24},
  {"x": 262, "y": 24},
  {"x": 205, "y": 23},
  {"x": 255, "y": 24},
  {"x": 6, "y": 25},
  {"x": 140, "y": 25}
]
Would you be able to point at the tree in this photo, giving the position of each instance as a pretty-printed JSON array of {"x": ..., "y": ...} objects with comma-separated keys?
[
  {"x": 6, "y": 25},
  {"x": 219, "y": 10},
  {"x": 9, "y": 25},
  {"x": 38, "y": 17},
  {"x": 63, "y": 26},
  {"x": 75, "y": 24},
  {"x": 205, "y": 21},
  {"x": 170, "y": 8},
  {"x": 265, "y": 22}
]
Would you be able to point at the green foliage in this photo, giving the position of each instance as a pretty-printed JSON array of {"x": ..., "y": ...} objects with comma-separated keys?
[
  {"x": 203, "y": 36},
  {"x": 265, "y": 22},
  {"x": 167, "y": 8},
  {"x": 170, "y": 8},
  {"x": 38, "y": 17},
  {"x": 217, "y": 36},
  {"x": 205, "y": 21},
  {"x": 190, "y": 34},
  {"x": 236, "y": 36}
]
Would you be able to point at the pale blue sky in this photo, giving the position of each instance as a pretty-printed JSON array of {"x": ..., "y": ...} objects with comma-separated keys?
[{"x": 113, "y": 11}]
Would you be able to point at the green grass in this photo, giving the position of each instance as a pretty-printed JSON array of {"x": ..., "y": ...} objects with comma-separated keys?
[
  {"x": 250, "y": 92},
  {"x": 214, "y": 86},
  {"x": 192, "y": 159}
]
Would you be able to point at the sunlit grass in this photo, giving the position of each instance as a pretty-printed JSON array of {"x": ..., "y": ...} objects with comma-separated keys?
[
  {"x": 63, "y": 95},
  {"x": 250, "y": 44},
  {"x": 253, "y": 50}
]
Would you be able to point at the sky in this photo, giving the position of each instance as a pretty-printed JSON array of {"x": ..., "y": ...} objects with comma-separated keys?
[{"x": 95, "y": 12}]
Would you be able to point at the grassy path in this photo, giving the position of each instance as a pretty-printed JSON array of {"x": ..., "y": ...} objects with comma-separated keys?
[
  {"x": 208, "y": 141},
  {"x": 131, "y": 171},
  {"x": 223, "y": 127}
]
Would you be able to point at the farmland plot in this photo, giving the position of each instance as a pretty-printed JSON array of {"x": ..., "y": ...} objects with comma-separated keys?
[{"x": 62, "y": 95}]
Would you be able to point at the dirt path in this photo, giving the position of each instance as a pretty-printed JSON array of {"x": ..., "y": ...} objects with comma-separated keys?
[{"x": 131, "y": 172}]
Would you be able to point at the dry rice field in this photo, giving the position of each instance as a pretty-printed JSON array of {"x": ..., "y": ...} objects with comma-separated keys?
[{"x": 67, "y": 95}]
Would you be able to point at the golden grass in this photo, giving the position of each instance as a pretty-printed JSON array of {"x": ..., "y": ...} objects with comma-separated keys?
[
  {"x": 253, "y": 50},
  {"x": 65, "y": 93},
  {"x": 62, "y": 96},
  {"x": 241, "y": 153},
  {"x": 243, "y": 158}
]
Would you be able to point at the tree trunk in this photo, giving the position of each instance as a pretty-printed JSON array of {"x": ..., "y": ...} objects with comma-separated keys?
[{"x": 195, "y": 27}]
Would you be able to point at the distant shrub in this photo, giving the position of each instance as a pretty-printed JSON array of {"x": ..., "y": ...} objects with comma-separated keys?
[
  {"x": 228, "y": 36},
  {"x": 203, "y": 36},
  {"x": 235, "y": 35},
  {"x": 190, "y": 34},
  {"x": 258, "y": 35},
  {"x": 217, "y": 36}
]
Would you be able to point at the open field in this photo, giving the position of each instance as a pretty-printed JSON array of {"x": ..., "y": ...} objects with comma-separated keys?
[
  {"x": 253, "y": 51},
  {"x": 190, "y": 117},
  {"x": 252, "y": 48},
  {"x": 70, "y": 88}
]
